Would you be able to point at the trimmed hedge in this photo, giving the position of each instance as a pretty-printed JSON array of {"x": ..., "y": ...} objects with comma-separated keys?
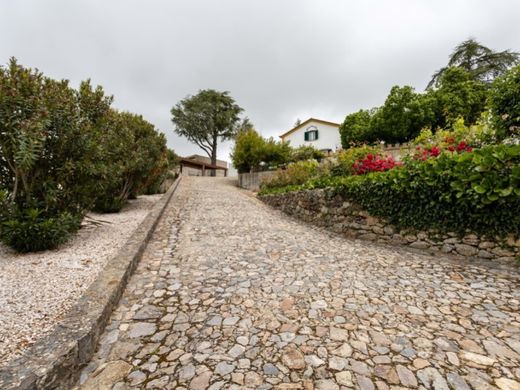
[{"x": 455, "y": 192}]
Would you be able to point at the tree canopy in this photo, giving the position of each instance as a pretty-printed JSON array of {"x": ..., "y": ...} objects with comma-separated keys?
[
  {"x": 206, "y": 118},
  {"x": 504, "y": 102},
  {"x": 480, "y": 61}
]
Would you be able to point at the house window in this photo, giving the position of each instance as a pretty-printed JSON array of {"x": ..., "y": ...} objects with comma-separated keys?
[{"x": 311, "y": 134}]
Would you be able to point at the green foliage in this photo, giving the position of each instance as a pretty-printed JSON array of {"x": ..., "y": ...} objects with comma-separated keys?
[
  {"x": 504, "y": 101},
  {"x": 252, "y": 152},
  {"x": 478, "y": 191},
  {"x": 400, "y": 118},
  {"x": 347, "y": 158},
  {"x": 207, "y": 117},
  {"x": 356, "y": 128},
  {"x": 62, "y": 150},
  {"x": 46, "y": 153},
  {"x": 134, "y": 157},
  {"x": 248, "y": 151},
  {"x": 406, "y": 112},
  {"x": 481, "y": 62},
  {"x": 480, "y": 134},
  {"x": 458, "y": 95},
  {"x": 306, "y": 152},
  {"x": 296, "y": 173},
  {"x": 162, "y": 172},
  {"x": 31, "y": 230}
]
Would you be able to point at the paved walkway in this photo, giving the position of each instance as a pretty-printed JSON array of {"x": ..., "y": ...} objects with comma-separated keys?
[{"x": 232, "y": 294}]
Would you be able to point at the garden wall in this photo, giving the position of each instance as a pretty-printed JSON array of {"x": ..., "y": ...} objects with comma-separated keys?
[
  {"x": 251, "y": 181},
  {"x": 323, "y": 208}
]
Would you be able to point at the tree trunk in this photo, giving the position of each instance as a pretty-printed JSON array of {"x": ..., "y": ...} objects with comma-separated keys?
[{"x": 214, "y": 155}]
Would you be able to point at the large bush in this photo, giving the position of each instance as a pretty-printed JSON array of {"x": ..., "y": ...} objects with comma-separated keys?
[
  {"x": 346, "y": 159},
  {"x": 252, "y": 152},
  {"x": 477, "y": 191},
  {"x": 133, "y": 156},
  {"x": 295, "y": 174},
  {"x": 46, "y": 158},
  {"x": 504, "y": 101},
  {"x": 63, "y": 151}
]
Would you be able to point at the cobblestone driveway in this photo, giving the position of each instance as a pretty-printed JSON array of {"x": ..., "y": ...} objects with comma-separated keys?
[{"x": 232, "y": 294}]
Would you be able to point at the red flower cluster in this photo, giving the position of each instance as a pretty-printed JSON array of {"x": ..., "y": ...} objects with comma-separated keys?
[
  {"x": 434, "y": 151},
  {"x": 425, "y": 153},
  {"x": 374, "y": 163}
]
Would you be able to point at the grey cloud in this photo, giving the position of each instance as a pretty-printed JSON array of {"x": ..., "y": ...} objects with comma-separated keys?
[{"x": 281, "y": 60}]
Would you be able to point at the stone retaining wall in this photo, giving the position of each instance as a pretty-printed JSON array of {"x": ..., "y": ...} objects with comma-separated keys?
[
  {"x": 55, "y": 361},
  {"x": 321, "y": 207}
]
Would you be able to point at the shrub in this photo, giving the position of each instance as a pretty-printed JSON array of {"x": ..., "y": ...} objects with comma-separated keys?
[
  {"x": 162, "y": 172},
  {"x": 306, "y": 153},
  {"x": 133, "y": 155},
  {"x": 32, "y": 230},
  {"x": 504, "y": 100},
  {"x": 47, "y": 161},
  {"x": 57, "y": 153},
  {"x": 480, "y": 134},
  {"x": 295, "y": 173},
  {"x": 478, "y": 191},
  {"x": 252, "y": 152},
  {"x": 348, "y": 157},
  {"x": 374, "y": 163}
]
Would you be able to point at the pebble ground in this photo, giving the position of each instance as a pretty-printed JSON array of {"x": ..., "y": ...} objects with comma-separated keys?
[{"x": 231, "y": 294}]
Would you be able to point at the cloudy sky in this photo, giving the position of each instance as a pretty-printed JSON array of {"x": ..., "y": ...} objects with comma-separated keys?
[{"x": 280, "y": 59}]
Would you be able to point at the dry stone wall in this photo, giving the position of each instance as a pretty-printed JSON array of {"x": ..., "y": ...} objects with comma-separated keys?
[{"x": 322, "y": 207}]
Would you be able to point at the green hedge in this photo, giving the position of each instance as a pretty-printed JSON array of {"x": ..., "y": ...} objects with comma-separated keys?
[
  {"x": 64, "y": 151},
  {"x": 478, "y": 191}
]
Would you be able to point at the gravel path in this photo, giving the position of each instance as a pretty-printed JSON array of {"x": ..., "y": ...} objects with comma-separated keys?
[
  {"x": 36, "y": 289},
  {"x": 232, "y": 294}
]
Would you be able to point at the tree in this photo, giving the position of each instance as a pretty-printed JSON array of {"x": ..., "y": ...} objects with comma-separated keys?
[
  {"x": 458, "y": 95},
  {"x": 248, "y": 151},
  {"x": 251, "y": 150},
  {"x": 480, "y": 61},
  {"x": 356, "y": 128},
  {"x": 504, "y": 102},
  {"x": 400, "y": 118},
  {"x": 206, "y": 118}
]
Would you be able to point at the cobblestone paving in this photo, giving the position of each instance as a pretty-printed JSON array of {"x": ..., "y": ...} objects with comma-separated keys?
[{"x": 231, "y": 294}]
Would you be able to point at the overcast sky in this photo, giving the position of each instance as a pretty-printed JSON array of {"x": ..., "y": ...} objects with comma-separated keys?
[{"x": 280, "y": 59}]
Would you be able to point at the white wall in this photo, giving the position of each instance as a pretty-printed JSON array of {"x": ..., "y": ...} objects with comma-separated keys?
[{"x": 328, "y": 137}]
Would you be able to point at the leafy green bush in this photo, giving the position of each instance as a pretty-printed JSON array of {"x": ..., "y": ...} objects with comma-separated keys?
[
  {"x": 477, "y": 191},
  {"x": 480, "y": 134},
  {"x": 504, "y": 100},
  {"x": 133, "y": 155},
  {"x": 47, "y": 159},
  {"x": 295, "y": 173},
  {"x": 162, "y": 172},
  {"x": 305, "y": 152},
  {"x": 348, "y": 157},
  {"x": 252, "y": 152},
  {"x": 57, "y": 148},
  {"x": 32, "y": 230}
]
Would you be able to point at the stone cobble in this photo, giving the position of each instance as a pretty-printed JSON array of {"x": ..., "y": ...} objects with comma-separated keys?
[{"x": 231, "y": 294}]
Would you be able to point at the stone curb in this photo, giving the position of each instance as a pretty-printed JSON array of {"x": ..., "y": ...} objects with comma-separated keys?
[{"x": 55, "y": 361}]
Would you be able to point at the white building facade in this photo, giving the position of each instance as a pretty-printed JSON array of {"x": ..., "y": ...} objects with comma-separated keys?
[{"x": 320, "y": 134}]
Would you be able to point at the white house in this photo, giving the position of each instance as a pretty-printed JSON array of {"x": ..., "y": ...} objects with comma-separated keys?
[{"x": 318, "y": 133}]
